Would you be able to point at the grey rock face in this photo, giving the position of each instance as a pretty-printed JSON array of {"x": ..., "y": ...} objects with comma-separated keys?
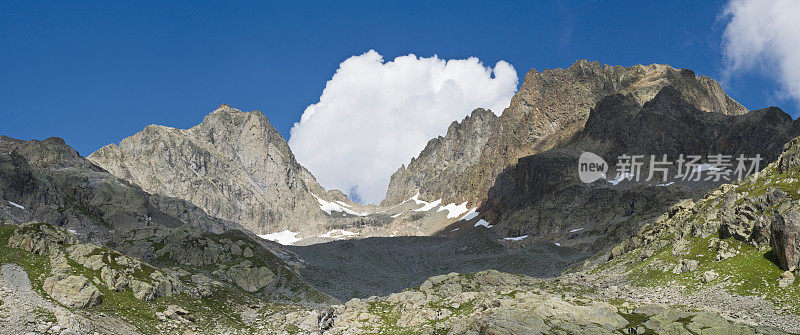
[
  {"x": 443, "y": 160},
  {"x": 73, "y": 291},
  {"x": 250, "y": 278},
  {"x": 785, "y": 239},
  {"x": 234, "y": 166}
]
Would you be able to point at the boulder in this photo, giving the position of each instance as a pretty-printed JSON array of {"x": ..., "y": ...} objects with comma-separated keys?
[
  {"x": 786, "y": 279},
  {"x": 709, "y": 276},
  {"x": 142, "y": 290},
  {"x": 250, "y": 278},
  {"x": 73, "y": 291},
  {"x": 204, "y": 284},
  {"x": 689, "y": 265},
  {"x": 178, "y": 314},
  {"x": 785, "y": 239}
]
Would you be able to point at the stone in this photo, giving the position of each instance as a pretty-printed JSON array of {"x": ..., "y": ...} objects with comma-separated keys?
[
  {"x": 178, "y": 314},
  {"x": 142, "y": 290},
  {"x": 250, "y": 278},
  {"x": 689, "y": 265},
  {"x": 785, "y": 239},
  {"x": 113, "y": 279},
  {"x": 786, "y": 279},
  {"x": 73, "y": 291},
  {"x": 709, "y": 276}
]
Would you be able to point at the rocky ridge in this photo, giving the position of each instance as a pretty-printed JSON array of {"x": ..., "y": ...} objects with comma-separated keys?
[
  {"x": 245, "y": 169},
  {"x": 551, "y": 106}
]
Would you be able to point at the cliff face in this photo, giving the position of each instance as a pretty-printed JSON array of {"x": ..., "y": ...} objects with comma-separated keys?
[
  {"x": 553, "y": 105},
  {"x": 443, "y": 160},
  {"x": 234, "y": 165}
]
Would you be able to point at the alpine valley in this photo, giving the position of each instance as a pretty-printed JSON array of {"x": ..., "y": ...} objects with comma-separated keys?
[{"x": 217, "y": 229}]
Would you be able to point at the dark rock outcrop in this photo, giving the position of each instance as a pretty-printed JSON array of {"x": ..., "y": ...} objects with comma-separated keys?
[{"x": 785, "y": 239}]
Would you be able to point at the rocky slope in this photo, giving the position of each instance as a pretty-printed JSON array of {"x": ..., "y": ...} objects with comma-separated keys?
[
  {"x": 234, "y": 165},
  {"x": 193, "y": 281},
  {"x": 734, "y": 250},
  {"x": 361, "y": 268}
]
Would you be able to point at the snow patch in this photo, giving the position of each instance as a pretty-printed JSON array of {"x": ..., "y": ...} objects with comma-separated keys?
[
  {"x": 518, "y": 238},
  {"x": 16, "y": 204},
  {"x": 484, "y": 223},
  {"x": 338, "y": 233},
  {"x": 453, "y": 210},
  {"x": 557, "y": 244},
  {"x": 620, "y": 178},
  {"x": 706, "y": 167},
  {"x": 666, "y": 184},
  {"x": 426, "y": 206},
  {"x": 328, "y": 207},
  {"x": 396, "y": 215},
  {"x": 471, "y": 214},
  {"x": 72, "y": 231},
  {"x": 285, "y": 237},
  {"x": 575, "y": 230},
  {"x": 344, "y": 204}
]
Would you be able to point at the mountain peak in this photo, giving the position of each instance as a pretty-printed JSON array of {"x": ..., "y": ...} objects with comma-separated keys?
[{"x": 226, "y": 108}]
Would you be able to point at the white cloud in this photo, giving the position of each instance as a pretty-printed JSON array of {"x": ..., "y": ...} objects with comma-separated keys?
[
  {"x": 764, "y": 35},
  {"x": 375, "y": 115}
]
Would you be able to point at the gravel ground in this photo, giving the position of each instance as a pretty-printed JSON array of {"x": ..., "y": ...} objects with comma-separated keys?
[
  {"x": 361, "y": 268},
  {"x": 23, "y": 311}
]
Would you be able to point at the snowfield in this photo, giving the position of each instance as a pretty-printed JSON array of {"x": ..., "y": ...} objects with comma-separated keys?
[
  {"x": 285, "y": 237},
  {"x": 453, "y": 210},
  {"x": 338, "y": 206}
]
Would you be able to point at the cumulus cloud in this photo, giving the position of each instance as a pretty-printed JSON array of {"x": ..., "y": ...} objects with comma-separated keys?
[
  {"x": 764, "y": 35},
  {"x": 375, "y": 115}
]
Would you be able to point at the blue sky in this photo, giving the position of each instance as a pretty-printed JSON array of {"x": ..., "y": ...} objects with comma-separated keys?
[{"x": 97, "y": 72}]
